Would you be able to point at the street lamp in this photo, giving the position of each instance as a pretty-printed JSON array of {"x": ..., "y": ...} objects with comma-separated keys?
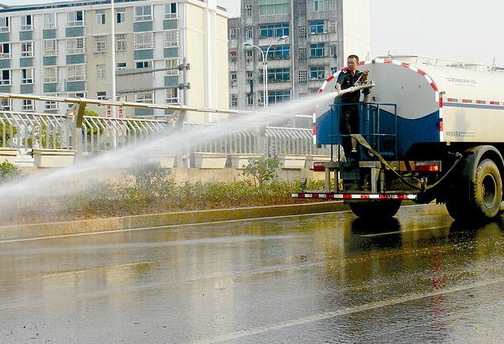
[{"x": 264, "y": 56}]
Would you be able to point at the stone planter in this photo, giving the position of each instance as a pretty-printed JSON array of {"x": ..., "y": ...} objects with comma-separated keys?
[
  {"x": 210, "y": 160},
  {"x": 53, "y": 157},
  {"x": 316, "y": 158},
  {"x": 165, "y": 161},
  {"x": 292, "y": 162},
  {"x": 239, "y": 161},
  {"x": 8, "y": 155}
]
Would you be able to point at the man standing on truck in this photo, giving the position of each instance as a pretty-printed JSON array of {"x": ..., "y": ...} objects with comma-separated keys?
[{"x": 349, "y": 114}]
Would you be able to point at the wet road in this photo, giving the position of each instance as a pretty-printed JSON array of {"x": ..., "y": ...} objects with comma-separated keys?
[{"x": 311, "y": 279}]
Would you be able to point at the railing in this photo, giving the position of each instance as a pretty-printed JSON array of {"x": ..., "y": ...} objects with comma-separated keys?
[{"x": 90, "y": 135}]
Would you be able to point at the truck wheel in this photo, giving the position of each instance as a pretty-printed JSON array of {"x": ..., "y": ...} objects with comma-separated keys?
[
  {"x": 376, "y": 209},
  {"x": 484, "y": 198}
]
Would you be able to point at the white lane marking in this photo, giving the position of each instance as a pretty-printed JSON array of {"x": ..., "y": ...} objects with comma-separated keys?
[
  {"x": 345, "y": 311},
  {"x": 399, "y": 232}
]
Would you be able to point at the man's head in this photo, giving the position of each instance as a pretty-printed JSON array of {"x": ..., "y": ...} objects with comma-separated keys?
[{"x": 352, "y": 62}]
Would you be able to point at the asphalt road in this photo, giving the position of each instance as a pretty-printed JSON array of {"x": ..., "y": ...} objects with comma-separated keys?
[{"x": 327, "y": 278}]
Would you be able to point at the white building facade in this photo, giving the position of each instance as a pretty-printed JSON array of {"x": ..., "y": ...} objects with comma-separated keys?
[{"x": 65, "y": 49}]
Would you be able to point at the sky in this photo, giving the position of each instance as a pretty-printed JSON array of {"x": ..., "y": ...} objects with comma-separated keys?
[{"x": 467, "y": 30}]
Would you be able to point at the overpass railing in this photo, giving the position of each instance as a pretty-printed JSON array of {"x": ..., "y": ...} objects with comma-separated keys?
[{"x": 89, "y": 135}]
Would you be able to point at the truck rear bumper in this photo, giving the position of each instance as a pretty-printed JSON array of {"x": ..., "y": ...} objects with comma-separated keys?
[{"x": 354, "y": 196}]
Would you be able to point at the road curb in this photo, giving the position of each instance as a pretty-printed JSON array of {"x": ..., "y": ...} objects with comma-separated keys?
[{"x": 159, "y": 220}]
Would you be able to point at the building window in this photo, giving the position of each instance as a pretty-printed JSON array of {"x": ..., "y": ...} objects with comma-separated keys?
[
  {"x": 27, "y": 76},
  {"x": 333, "y": 50},
  {"x": 234, "y": 100},
  {"x": 100, "y": 17},
  {"x": 234, "y": 77},
  {"x": 120, "y": 15},
  {"x": 120, "y": 42},
  {"x": 26, "y": 49},
  {"x": 250, "y": 75},
  {"x": 51, "y": 106},
  {"x": 250, "y": 99},
  {"x": 50, "y": 47},
  {"x": 332, "y": 26},
  {"x": 172, "y": 95},
  {"x": 5, "y": 104},
  {"x": 248, "y": 11},
  {"x": 75, "y": 45},
  {"x": 272, "y": 7},
  {"x": 249, "y": 54},
  {"x": 27, "y": 105},
  {"x": 100, "y": 44},
  {"x": 278, "y": 96},
  {"x": 121, "y": 66},
  {"x": 171, "y": 10},
  {"x": 278, "y": 52},
  {"x": 144, "y": 40},
  {"x": 171, "y": 38},
  {"x": 50, "y": 74},
  {"x": 233, "y": 33},
  {"x": 322, "y": 5},
  {"x": 144, "y": 97},
  {"x": 232, "y": 56},
  {"x": 49, "y": 20},
  {"x": 27, "y": 22},
  {"x": 100, "y": 72},
  {"x": 316, "y": 27},
  {"x": 102, "y": 95},
  {"x": 274, "y": 30},
  {"x": 143, "y": 64},
  {"x": 143, "y": 13},
  {"x": 303, "y": 54},
  {"x": 5, "y": 77},
  {"x": 172, "y": 66},
  {"x": 317, "y": 73},
  {"x": 249, "y": 33},
  {"x": 302, "y": 31},
  {"x": 278, "y": 75},
  {"x": 76, "y": 73},
  {"x": 317, "y": 50},
  {"x": 75, "y": 18},
  {"x": 334, "y": 70},
  {"x": 4, "y": 24},
  {"x": 5, "y": 50},
  {"x": 303, "y": 76}
]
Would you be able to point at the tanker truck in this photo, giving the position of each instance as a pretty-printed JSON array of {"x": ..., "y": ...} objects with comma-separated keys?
[{"x": 430, "y": 130}]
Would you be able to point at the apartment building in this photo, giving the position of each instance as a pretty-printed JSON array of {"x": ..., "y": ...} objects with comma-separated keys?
[
  {"x": 65, "y": 49},
  {"x": 308, "y": 41}
]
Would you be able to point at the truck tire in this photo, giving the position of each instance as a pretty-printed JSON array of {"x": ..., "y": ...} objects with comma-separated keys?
[
  {"x": 375, "y": 209},
  {"x": 482, "y": 197}
]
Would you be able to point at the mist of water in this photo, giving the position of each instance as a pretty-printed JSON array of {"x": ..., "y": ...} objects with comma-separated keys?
[{"x": 56, "y": 182}]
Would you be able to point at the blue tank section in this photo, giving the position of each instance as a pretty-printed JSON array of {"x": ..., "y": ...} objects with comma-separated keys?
[{"x": 381, "y": 128}]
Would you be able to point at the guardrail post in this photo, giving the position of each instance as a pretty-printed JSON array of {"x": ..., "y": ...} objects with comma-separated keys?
[{"x": 76, "y": 113}]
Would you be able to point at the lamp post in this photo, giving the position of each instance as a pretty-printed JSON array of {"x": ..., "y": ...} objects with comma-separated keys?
[
  {"x": 264, "y": 56},
  {"x": 113, "y": 70}
]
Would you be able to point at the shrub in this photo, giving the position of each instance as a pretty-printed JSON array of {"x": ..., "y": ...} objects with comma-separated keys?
[
  {"x": 261, "y": 169},
  {"x": 9, "y": 172}
]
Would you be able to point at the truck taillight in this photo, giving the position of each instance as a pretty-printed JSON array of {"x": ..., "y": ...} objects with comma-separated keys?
[
  {"x": 318, "y": 167},
  {"x": 428, "y": 166}
]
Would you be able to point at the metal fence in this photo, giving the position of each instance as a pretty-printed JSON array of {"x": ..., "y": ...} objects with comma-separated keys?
[{"x": 89, "y": 134}]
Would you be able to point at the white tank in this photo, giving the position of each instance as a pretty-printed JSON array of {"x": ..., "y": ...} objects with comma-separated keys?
[{"x": 438, "y": 101}]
